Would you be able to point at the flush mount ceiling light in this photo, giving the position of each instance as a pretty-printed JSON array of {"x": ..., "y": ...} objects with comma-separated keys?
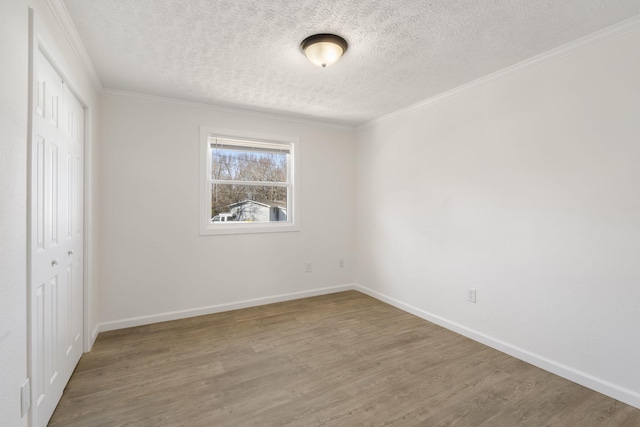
[{"x": 324, "y": 50}]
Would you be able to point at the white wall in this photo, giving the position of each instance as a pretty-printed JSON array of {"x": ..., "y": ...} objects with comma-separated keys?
[
  {"x": 14, "y": 45},
  {"x": 13, "y": 199},
  {"x": 526, "y": 188},
  {"x": 153, "y": 260}
]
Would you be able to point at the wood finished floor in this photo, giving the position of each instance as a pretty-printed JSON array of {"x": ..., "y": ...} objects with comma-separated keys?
[{"x": 343, "y": 359}]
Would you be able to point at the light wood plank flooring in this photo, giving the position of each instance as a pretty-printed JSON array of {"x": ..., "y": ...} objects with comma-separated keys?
[{"x": 343, "y": 359}]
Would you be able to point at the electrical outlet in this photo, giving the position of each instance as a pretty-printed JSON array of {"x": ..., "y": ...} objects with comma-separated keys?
[
  {"x": 341, "y": 263},
  {"x": 471, "y": 295},
  {"x": 308, "y": 267},
  {"x": 25, "y": 396}
]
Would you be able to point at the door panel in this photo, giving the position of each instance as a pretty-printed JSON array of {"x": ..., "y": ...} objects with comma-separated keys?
[{"x": 56, "y": 243}]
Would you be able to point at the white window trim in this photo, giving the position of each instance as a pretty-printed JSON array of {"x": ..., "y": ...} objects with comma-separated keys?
[{"x": 208, "y": 228}]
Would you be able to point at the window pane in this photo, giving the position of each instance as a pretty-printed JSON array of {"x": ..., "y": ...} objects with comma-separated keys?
[
  {"x": 248, "y": 203},
  {"x": 245, "y": 165}
]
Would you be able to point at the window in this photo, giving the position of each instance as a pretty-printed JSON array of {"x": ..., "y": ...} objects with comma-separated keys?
[{"x": 248, "y": 183}]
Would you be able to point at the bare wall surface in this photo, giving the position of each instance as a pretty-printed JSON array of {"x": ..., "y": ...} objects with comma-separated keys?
[
  {"x": 153, "y": 259},
  {"x": 13, "y": 204},
  {"x": 526, "y": 189}
]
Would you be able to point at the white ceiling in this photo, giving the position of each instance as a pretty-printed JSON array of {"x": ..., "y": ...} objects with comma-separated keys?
[{"x": 245, "y": 53}]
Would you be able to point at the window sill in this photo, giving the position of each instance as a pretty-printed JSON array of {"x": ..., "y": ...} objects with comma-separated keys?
[{"x": 225, "y": 229}]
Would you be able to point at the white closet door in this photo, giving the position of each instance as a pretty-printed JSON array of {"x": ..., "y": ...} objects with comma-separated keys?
[{"x": 56, "y": 241}]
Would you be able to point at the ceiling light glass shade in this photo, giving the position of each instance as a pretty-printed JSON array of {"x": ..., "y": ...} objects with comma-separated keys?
[{"x": 324, "y": 50}]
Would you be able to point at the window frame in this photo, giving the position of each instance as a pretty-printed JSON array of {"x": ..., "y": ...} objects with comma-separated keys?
[{"x": 208, "y": 227}]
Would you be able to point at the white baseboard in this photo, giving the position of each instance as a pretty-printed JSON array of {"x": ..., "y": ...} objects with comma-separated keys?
[
  {"x": 218, "y": 308},
  {"x": 94, "y": 335},
  {"x": 622, "y": 394}
]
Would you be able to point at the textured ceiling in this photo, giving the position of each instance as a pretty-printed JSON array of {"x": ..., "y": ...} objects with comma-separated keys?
[{"x": 245, "y": 53}]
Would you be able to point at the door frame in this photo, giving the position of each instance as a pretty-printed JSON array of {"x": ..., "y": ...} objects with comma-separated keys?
[{"x": 38, "y": 43}]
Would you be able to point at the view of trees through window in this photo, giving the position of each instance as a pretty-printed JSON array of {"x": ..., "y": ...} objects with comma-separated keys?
[{"x": 248, "y": 184}]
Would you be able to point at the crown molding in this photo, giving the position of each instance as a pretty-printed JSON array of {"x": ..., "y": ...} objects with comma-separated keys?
[
  {"x": 61, "y": 14},
  {"x": 228, "y": 109},
  {"x": 526, "y": 65}
]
